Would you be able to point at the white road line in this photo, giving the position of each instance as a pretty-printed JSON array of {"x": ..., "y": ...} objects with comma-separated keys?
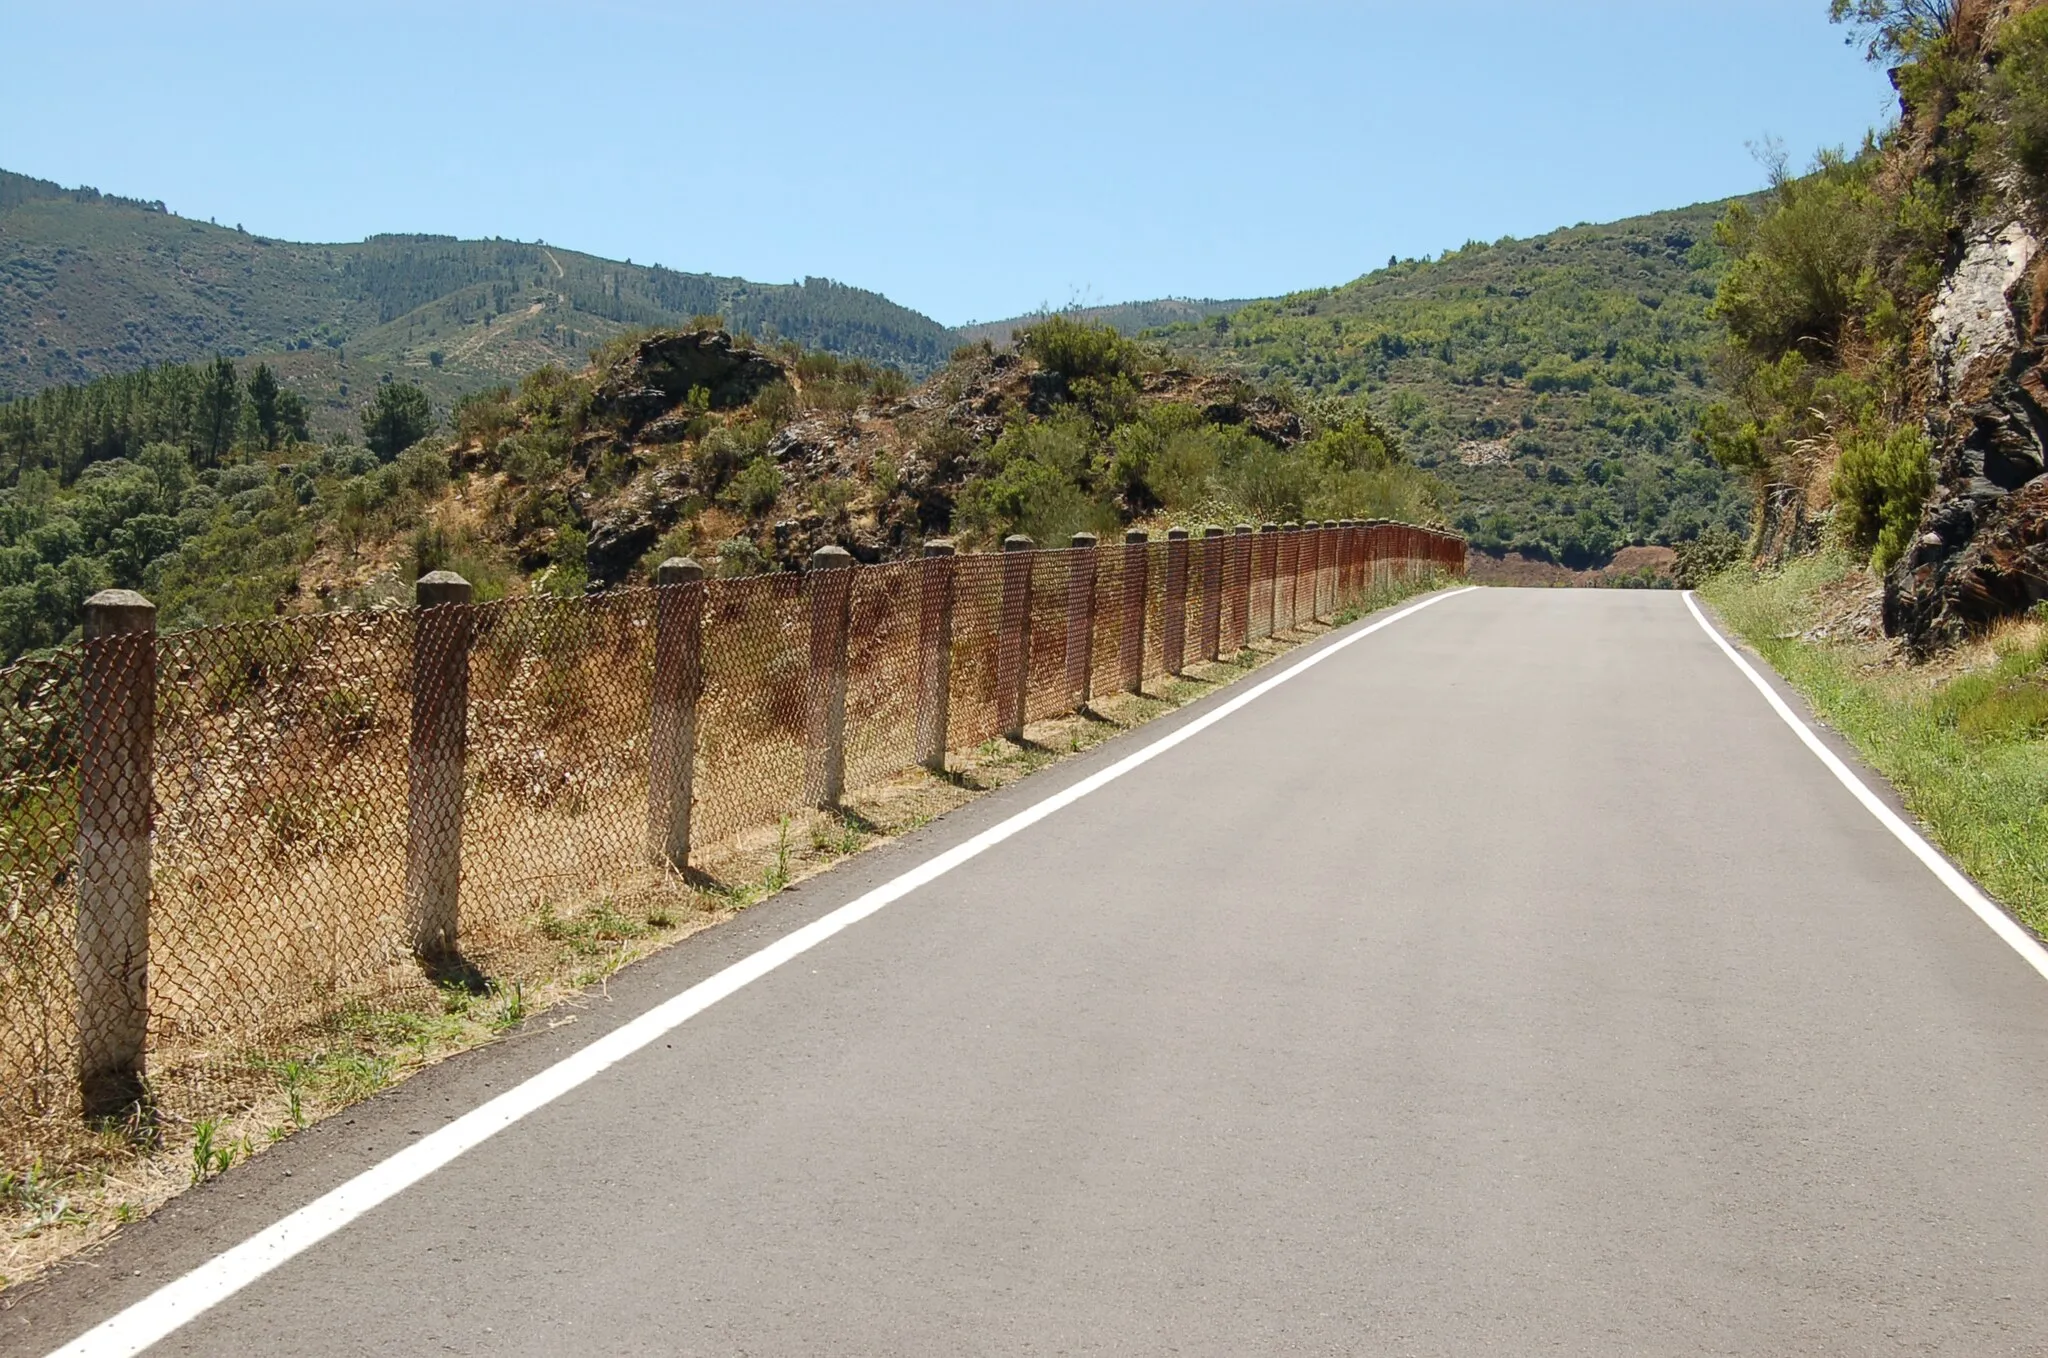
[
  {"x": 180, "y": 1302},
  {"x": 2002, "y": 924}
]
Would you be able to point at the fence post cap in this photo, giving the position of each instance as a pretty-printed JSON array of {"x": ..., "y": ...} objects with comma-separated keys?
[
  {"x": 678, "y": 570},
  {"x": 1269, "y": 528},
  {"x": 1136, "y": 535},
  {"x": 1018, "y": 542},
  {"x": 1176, "y": 534},
  {"x": 831, "y": 559},
  {"x": 1212, "y": 531},
  {"x": 1085, "y": 539},
  {"x": 1290, "y": 527},
  {"x": 441, "y": 587},
  {"x": 939, "y": 547},
  {"x": 117, "y": 612},
  {"x": 1244, "y": 528},
  {"x": 1347, "y": 523}
]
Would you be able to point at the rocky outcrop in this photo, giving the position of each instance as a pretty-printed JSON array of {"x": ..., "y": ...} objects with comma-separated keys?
[
  {"x": 1972, "y": 331},
  {"x": 620, "y": 538},
  {"x": 665, "y": 369},
  {"x": 1982, "y": 550}
]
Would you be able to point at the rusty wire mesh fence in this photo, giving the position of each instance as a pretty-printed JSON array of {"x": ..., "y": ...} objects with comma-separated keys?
[{"x": 214, "y": 841}]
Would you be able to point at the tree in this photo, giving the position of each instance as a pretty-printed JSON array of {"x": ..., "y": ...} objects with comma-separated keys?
[
  {"x": 219, "y": 411},
  {"x": 1897, "y": 30},
  {"x": 263, "y": 393},
  {"x": 400, "y": 417}
]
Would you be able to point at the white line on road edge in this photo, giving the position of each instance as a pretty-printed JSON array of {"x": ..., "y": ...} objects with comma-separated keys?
[
  {"x": 2002, "y": 924},
  {"x": 179, "y": 1303}
]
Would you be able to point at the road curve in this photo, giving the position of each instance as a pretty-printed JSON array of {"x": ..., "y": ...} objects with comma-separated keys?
[{"x": 1513, "y": 982}]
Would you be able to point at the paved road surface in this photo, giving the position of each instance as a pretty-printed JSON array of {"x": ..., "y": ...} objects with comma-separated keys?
[{"x": 1512, "y": 983}]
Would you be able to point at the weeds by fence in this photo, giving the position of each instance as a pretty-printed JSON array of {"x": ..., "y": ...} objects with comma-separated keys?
[{"x": 215, "y": 842}]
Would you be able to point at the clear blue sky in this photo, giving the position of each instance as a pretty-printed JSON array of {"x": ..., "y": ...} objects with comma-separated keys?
[{"x": 970, "y": 160}]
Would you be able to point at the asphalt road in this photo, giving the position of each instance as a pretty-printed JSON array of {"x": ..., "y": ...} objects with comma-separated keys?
[{"x": 1514, "y": 982}]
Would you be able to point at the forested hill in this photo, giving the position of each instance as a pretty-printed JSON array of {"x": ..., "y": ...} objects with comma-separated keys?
[
  {"x": 1554, "y": 382},
  {"x": 91, "y": 284}
]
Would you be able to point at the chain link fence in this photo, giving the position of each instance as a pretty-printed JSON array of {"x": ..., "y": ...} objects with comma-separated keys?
[{"x": 212, "y": 842}]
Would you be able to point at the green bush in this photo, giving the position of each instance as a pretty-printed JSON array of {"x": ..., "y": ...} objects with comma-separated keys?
[
  {"x": 832, "y": 496},
  {"x": 1075, "y": 349},
  {"x": 738, "y": 557},
  {"x": 1705, "y": 557},
  {"x": 754, "y": 489},
  {"x": 1802, "y": 267},
  {"x": 2018, "y": 93},
  {"x": 1880, "y": 486},
  {"x": 484, "y": 417},
  {"x": 776, "y": 403}
]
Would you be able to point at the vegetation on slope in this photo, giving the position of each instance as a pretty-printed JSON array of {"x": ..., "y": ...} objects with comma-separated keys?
[
  {"x": 1962, "y": 741},
  {"x": 1883, "y": 316},
  {"x": 92, "y": 285},
  {"x": 200, "y": 485},
  {"x": 1126, "y": 318},
  {"x": 1552, "y": 383}
]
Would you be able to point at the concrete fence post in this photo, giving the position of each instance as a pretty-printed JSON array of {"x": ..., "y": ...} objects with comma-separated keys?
[
  {"x": 1347, "y": 559},
  {"x": 1312, "y": 536},
  {"x": 934, "y": 654},
  {"x": 1131, "y": 632},
  {"x": 1081, "y": 619},
  {"x": 116, "y": 804},
  {"x": 1173, "y": 614},
  {"x": 829, "y": 582},
  {"x": 434, "y": 761},
  {"x": 1209, "y": 640},
  {"x": 1013, "y": 639},
  {"x": 1266, "y": 577},
  {"x": 1241, "y": 547},
  {"x": 1288, "y": 577},
  {"x": 672, "y": 709}
]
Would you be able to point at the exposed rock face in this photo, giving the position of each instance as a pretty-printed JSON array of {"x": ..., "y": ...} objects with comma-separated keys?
[
  {"x": 1972, "y": 329},
  {"x": 667, "y": 368},
  {"x": 1983, "y": 545},
  {"x": 619, "y": 539}
]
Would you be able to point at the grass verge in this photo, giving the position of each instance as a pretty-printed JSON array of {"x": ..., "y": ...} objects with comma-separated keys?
[
  {"x": 60, "y": 1206},
  {"x": 1963, "y": 738}
]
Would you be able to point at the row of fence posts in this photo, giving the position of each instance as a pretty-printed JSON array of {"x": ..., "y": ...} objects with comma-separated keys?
[{"x": 118, "y": 706}]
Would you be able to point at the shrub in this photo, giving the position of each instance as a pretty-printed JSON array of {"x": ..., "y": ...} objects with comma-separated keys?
[
  {"x": 1075, "y": 349},
  {"x": 832, "y": 496},
  {"x": 885, "y": 475},
  {"x": 538, "y": 454},
  {"x": 754, "y": 489},
  {"x": 2018, "y": 92},
  {"x": 1881, "y": 484},
  {"x": 1705, "y": 557},
  {"x": 740, "y": 556},
  {"x": 422, "y": 469},
  {"x": 484, "y": 417},
  {"x": 890, "y": 385},
  {"x": 776, "y": 403},
  {"x": 1802, "y": 268}
]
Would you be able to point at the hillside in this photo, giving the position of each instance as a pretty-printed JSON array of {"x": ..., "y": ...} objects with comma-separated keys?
[
  {"x": 196, "y": 483},
  {"x": 92, "y": 284},
  {"x": 1552, "y": 383}
]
